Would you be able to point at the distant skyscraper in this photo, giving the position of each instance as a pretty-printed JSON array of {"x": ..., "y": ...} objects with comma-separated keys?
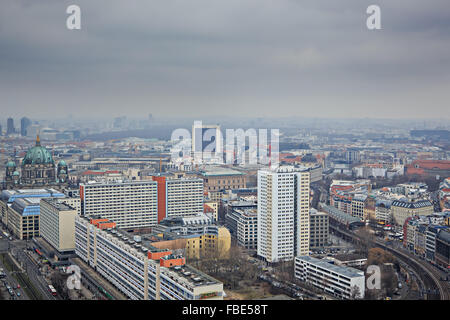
[
  {"x": 10, "y": 126},
  {"x": 352, "y": 156},
  {"x": 283, "y": 214},
  {"x": 120, "y": 122},
  {"x": 24, "y": 124}
]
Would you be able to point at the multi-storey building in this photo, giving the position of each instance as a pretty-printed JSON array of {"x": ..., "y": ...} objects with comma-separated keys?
[
  {"x": 358, "y": 205},
  {"x": 73, "y": 201},
  {"x": 179, "y": 197},
  {"x": 420, "y": 241},
  {"x": 23, "y": 218},
  {"x": 243, "y": 226},
  {"x": 442, "y": 254},
  {"x": 57, "y": 224},
  {"x": 137, "y": 269},
  {"x": 197, "y": 236},
  {"x": 219, "y": 179},
  {"x": 283, "y": 213},
  {"x": 383, "y": 211},
  {"x": 8, "y": 197},
  {"x": 431, "y": 233},
  {"x": 401, "y": 210},
  {"x": 319, "y": 229},
  {"x": 130, "y": 205},
  {"x": 339, "y": 281},
  {"x": 211, "y": 208}
]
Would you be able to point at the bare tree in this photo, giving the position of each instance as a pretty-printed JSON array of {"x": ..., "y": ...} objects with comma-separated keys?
[{"x": 355, "y": 293}]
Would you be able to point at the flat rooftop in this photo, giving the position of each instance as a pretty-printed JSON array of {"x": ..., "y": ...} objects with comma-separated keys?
[
  {"x": 221, "y": 172},
  {"x": 185, "y": 274},
  {"x": 59, "y": 205},
  {"x": 325, "y": 264}
]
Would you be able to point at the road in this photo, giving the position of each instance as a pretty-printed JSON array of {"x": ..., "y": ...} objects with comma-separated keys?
[
  {"x": 13, "y": 283},
  {"x": 18, "y": 249},
  {"x": 33, "y": 272}
]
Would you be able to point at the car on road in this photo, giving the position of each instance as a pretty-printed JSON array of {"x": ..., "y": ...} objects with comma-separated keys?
[
  {"x": 18, "y": 286},
  {"x": 18, "y": 294}
]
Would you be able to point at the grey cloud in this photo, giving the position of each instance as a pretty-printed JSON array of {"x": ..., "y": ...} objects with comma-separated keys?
[{"x": 210, "y": 57}]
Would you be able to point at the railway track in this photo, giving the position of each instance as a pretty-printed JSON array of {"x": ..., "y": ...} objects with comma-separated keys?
[
  {"x": 435, "y": 289},
  {"x": 429, "y": 281}
]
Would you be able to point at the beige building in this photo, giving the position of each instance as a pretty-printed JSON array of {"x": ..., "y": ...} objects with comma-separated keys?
[
  {"x": 23, "y": 218},
  {"x": 57, "y": 224},
  {"x": 223, "y": 179},
  {"x": 401, "y": 210},
  {"x": 74, "y": 202},
  {"x": 4, "y": 212}
]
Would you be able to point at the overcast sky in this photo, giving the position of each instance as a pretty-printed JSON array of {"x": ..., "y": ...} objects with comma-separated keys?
[{"x": 261, "y": 58}]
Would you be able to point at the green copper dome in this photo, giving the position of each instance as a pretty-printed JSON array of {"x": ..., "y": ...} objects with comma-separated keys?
[
  {"x": 62, "y": 163},
  {"x": 38, "y": 155},
  {"x": 16, "y": 173},
  {"x": 10, "y": 164}
]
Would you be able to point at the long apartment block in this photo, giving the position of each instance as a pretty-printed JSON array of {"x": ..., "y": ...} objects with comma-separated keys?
[
  {"x": 179, "y": 197},
  {"x": 137, "y": 269},
  {"x": 142, "y": 204}
]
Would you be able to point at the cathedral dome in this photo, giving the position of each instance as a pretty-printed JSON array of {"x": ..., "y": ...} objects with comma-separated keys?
[
  {"x": 11, "y": 164},
  {"x": 62, "y": 163},
  {"x": 38, "y": 155}
]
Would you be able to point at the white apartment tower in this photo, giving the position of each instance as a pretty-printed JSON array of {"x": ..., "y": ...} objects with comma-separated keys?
[{"x": 283, "y": 213}]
